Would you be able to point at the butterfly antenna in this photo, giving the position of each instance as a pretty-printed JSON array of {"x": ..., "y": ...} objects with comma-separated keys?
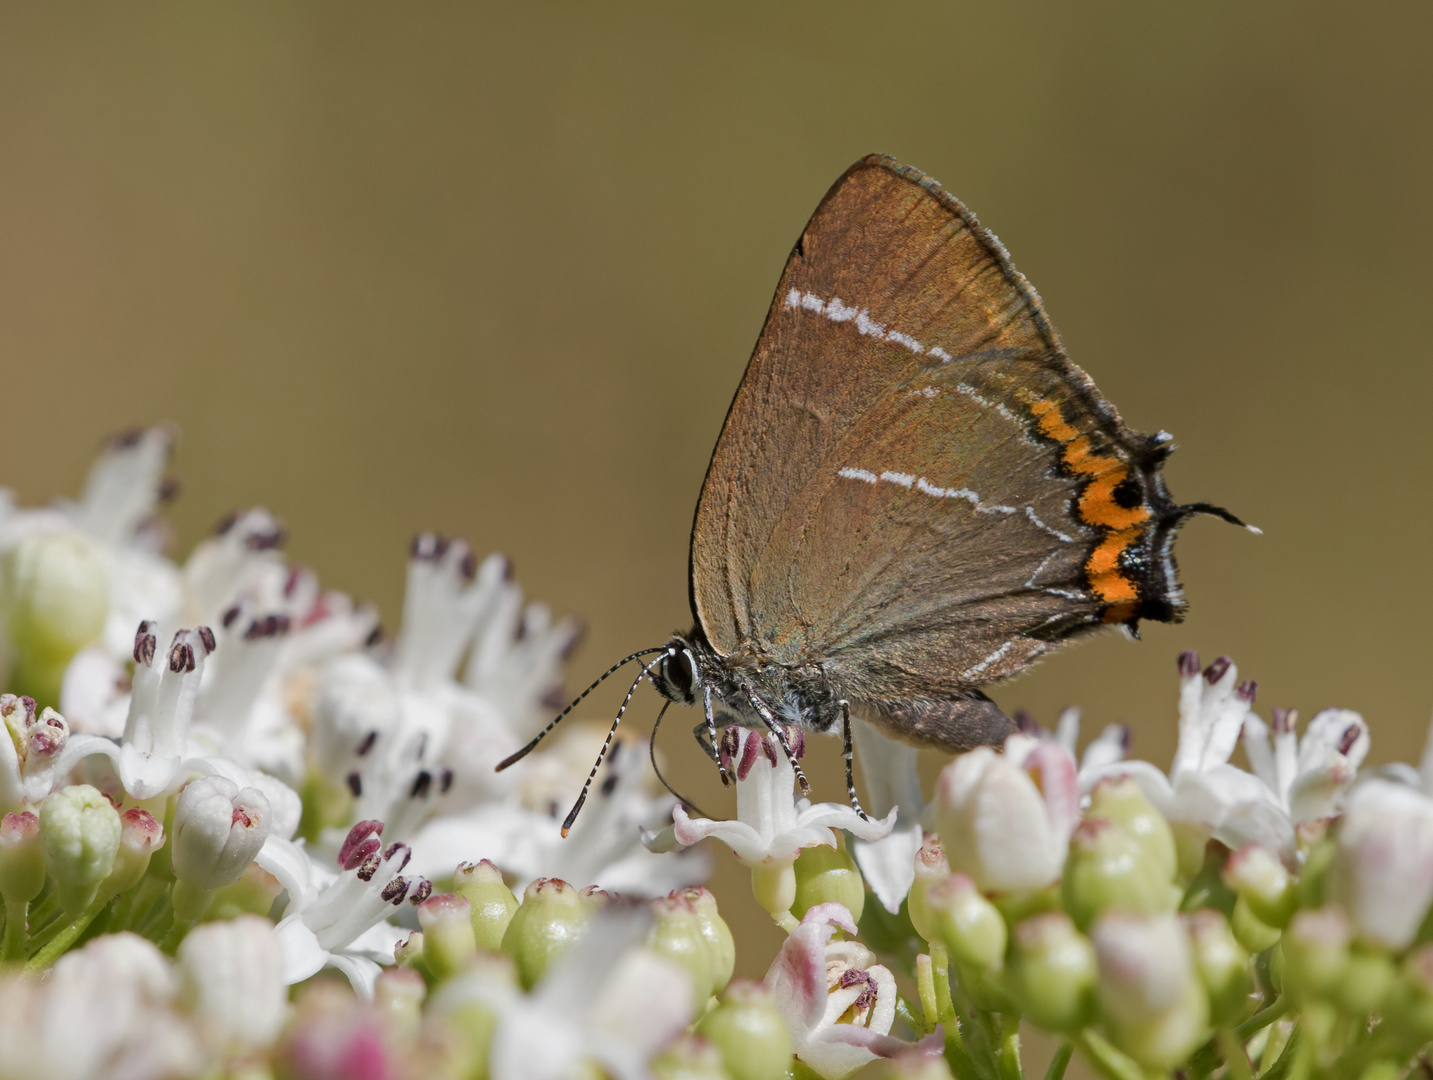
[
  {"x": 602, "y": 756},
  {"x": 846, "y": 750},
  {"x": 513, "y": 759},
  {"x": 1219, "y": 512},
  {"x": 687, "y": 804}
]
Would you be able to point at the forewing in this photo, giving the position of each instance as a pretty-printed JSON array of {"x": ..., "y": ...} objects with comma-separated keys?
[{"x": 912, "y": 469}]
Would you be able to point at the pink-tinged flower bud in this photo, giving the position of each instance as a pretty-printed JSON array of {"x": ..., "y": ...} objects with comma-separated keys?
[
  {"x": 1261, "y": 881},
  {"x": 1005, "y": 819},
  {"x": 448, "y": 942},
  {"x": 968, "y": 923},
  {"x": 1382, "y": 873},
  {"x": 747, "y": 1029},
  {"x": 218, "y": 829},
  {"x": 828, "y": 876},
  {"x": 140, "y": 835},
  {"x": 930, "y": 866},
  {"x": 28, "y": 756},
  {"x": 689, "y": 1058},
  {"x": 334, "y": 1036},
  {"x": 399, "y": 992},
  {"x": 22, "y": 861},
  {"x": 1154, "y": 1006},
  {"x": 1051, "y": 975},
  {"x": 1315, "y": 948},
  {"x": 79, "y": 833},
  {"x": 1108, "y": 870},
  {"x": 552, "y": 916},
  {"x": 1222, "y": 965},
  {"x": 491, "y": 903},
  {"x": 233, "y": 986},
  {"x": 716, "y": 932},
  {"x": 678, "y": 935}
]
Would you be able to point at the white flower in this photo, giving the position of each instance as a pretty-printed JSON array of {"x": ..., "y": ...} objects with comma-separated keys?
[
  {"x": 1203, "y": 790},
  {"x": 1383, "y": 867},
  {"x": 30, "y": 748},
  {"x": 1148, "y": 990},
  {"x": 1307, "y": 775},
  {"x": 1006, "y": 819},
  {"x": 231, "y": 974},
  {"x": 339, "y": 920},
  {"x": 523, "y": 834},
  {"x": 838, "y": 1002},
  {"x": 105, "y": 1012},
  {"x": 892, "y": 783},
  {"x": 608, "y": 1003}
]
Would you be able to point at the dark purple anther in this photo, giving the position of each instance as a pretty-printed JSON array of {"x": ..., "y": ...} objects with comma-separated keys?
[
  {"x": 357, "y": 835},
  {"x": 374, "y": 637},
  {"x": 421, "y": 783},
  {"x": 1188, "y": 664},
  {"x": 206, "y": 638},
  {"x": 1245, "y": 690},
  {"x": 369, "y": 867},
  {"x": 754, "y": 745},
  {"x": 445, "y": 781},
  {"x": 367, "y": 743},
  {"x": 181, "y": 657},
  {"x": 1284, "y": 721},
  {"x": 395, "y": 891},
  {"x": 1348, "y": 738},
  {"x": 355, "y": 783},
  {"x": 728, "y": 743},
  {"x": 229, "y": 616},
  {"x": 1215, "y": 671},
  {"x": 421, "y": 892},
  {"x": 469, "y": 565}
]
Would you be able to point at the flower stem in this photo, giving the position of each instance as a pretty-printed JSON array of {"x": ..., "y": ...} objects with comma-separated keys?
[
  {"x": 16, "y": 941},
  {"x": 1007, "y": 1055},
  {"x": 1107, "y": 1061},
  {"x": 1234, "y": 1056},
  {"x": 1060, "y": 1061},
  {"x": 925, "y": 987},
  {"x": 940, "y": 964},
  {"x": 53, "y": 949}
]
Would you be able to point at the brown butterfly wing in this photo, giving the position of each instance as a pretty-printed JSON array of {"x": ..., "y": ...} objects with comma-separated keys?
[{"x": 915, "y": 488}]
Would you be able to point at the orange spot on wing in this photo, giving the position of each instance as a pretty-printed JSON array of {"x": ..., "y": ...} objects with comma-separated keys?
[
  {"x": 1098, "y": 507},
  {"x": 1051, "y": 424},
  {"x": 1107, "y": 579}
]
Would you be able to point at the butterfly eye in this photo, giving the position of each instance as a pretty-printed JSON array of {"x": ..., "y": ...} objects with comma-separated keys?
[{"x": 679, "y": 677}]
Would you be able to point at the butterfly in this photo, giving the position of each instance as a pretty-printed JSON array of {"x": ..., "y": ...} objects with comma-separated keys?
[{"x": 916, "y": 493}]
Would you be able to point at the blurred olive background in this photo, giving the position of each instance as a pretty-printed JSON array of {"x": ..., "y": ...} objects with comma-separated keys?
[{"x": 495, "y": 270}]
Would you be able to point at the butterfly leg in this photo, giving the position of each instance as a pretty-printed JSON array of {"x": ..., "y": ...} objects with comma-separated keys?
[
  {"x": 846, "y": 751},
  {"x": 704, "y": 740},
  {"x": 712, "y": 736},
  {"x": 764, "y": 711}
]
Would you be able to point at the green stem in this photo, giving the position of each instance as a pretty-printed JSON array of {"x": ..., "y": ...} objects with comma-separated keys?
[
  {"x": 1206, "y": 1059},
  {"x": 940, "y": 963},
  {"x": 1060, "y": 1061},
  {"x": 16, "y": 938},
  {"x": 1234, "y": 1056},
  {"x": 1007, "y": 1057},
  {"x": 1107, "y": 1061},
  {"x": 1280, "y": 1068},
  {"x": 53, "y": 949}
]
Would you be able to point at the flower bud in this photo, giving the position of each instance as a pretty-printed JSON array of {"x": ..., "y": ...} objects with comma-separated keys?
[
  {"x": 408, "y": 953},
  {"x": 55, "y": 592},
  {"x": 1109, "y": 870},
  {"x": 491, "y": 903},
  {"x": 1154, "y": 1007},
  {"x": 913, "y": 1064},
  {"x": 253, "y": 894},
  {"x": 969, "y": 924},
  {"x": 399, "y": 993},
  {"x": 233, "y": 979},
  {"x": 448, "y": 940},
  {"x": 689, "y": 1058},
  {"x": 717, "y": 934},
  {"x": 1382, "y": 872},
  {"x": 1052, "y": 972},
  {"x": 1261, "y": 882},
  {"x": 678, "y": 935},
  {"x": 218, "y": 829},
  {"x": 140, "y": 835},
  {"x": 748, "y": 1029},
  {"x": 1367, "y": 979},
  {"x": 1122, "y": 802},
  {"x": 930, "y": 868},
  {"x": 79, "y": 833},
  {"x": 1222, "y": 965},
  {"x": 826, "y": 875},
  {"x": 551, "y": 917},
  {"x": 1251, "y": 931},
  {"x": 28, "y": 756},
  {"x": 22, "y": 862},
  {"x": 1315, "y": 948}
]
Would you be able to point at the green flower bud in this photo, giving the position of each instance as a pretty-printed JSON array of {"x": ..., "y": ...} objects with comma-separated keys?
[
  {"x": 1222, "y": 965},
  {"x": 1368, "y": 978},
  {"x": 399, "y": 993},
  {"x": 1121, "y": 801},
  {"x": 969, "y": 924},
  {"x": 490, "y": 902},
  {"x": 1312, "y": 887},
  {"x": 1108, "y": 870},
  {"x": 773, "y": 884},
  {"x": 828, "y": 875},
  {"x": 139, "y": 836},
  {"x": 253, "y": 894},
  {"x": 1253, "y": 933},
  {"x": 408, "y": 953},
  {"x": 22, "y": 862},
  {"x": 448, "y": 940},
  {"x": 717, "y": 934},
  {"x": 551, "y": 917},
  {"x": 1262, "y": 883},
  {"x": 676, "y": 934},
  {"x": 931, "y": 866},
  {"x": 79, "y": 833},
  {"x": 747, "y": 1028},
  {"x": 1051, "y": 975},
  {"x": 56, "y": 596},
  {"x": 1315, "y": 948},
  {"x": 689, "y": 1058}
]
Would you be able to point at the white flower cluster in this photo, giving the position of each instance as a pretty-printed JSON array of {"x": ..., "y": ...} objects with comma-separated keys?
[{"x": 217, "y": 780}]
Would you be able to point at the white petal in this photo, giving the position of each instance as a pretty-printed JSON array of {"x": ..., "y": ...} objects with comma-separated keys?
[
  {"x": 303, "y": 956},
  {"x": 888, "y": 865}
]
